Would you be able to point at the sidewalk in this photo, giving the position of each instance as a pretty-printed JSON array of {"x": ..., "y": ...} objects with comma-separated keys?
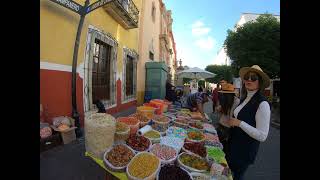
[{"x": 68, "y": 162}]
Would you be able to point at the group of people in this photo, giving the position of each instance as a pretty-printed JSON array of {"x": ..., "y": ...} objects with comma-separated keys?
[{"x": 243, "y": 122}]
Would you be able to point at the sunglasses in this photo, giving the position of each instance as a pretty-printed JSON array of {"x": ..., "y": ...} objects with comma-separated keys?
[{"x": 252, "y": 77}]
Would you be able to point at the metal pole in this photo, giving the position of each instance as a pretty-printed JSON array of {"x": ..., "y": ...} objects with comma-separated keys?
[{"x": 75, "y": 113}]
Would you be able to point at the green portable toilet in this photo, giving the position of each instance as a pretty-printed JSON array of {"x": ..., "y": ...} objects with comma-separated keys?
[{"x": 156, "y": 76}]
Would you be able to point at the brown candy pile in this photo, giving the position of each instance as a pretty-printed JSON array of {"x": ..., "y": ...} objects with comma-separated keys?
[
  {"x": 138, "y": 143},
  {"x": 120, "y": 155}
]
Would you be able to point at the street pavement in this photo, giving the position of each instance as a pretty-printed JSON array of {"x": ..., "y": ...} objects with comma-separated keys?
[{"x": 68, "y": 162}]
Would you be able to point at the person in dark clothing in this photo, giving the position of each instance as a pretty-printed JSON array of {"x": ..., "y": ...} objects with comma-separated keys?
[
  {"x": 100, "y": 106},
  {"x": 200, "y": 89},
  {"x": 227, "y": 102},
  {"x": 170, "y": 92},
  {"x": 195, "y": 102},
  {"x": 215, "y": 98},
  {"x": 250, "y": 121}
]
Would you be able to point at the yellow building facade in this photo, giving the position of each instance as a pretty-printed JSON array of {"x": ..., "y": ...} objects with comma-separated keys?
[{"x": 108, "y": 41}]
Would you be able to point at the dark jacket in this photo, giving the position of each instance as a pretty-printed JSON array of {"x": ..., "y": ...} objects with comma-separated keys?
[{"x": 243, "y": 148}]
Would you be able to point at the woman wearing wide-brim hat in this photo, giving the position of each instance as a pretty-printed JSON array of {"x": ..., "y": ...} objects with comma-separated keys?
[
  {"x": 250, "y": 123},
  {"x": 228, "y": 101}
]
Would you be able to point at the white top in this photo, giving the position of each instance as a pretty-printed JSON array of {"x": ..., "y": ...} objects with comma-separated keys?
[
  {"x": 260, "y": 132},
  {"x": 225, "y": 118}
]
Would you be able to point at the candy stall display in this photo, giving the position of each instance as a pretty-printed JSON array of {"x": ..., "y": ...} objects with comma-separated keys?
[{"x": 173, "y": 145}]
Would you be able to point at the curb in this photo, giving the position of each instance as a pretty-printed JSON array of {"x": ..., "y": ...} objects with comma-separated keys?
[{"x": 276, "y": 125}]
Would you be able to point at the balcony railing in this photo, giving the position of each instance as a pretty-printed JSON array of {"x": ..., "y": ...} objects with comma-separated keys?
[
  {"x": 164, "y": 37},
  {"x": 125, "y": 12}
]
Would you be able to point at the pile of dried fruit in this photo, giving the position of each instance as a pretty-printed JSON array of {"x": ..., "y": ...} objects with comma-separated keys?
[
  {"x": 196, "y": 125},
  {"x": 138, "y": 143},
  {"x": 161, "y": 118},
  {"x": 195, "y": 135},
  {"x": 141, "y": 117},
  {"x": 120, "y": 155},
  {"x": 197, "y": 148}
]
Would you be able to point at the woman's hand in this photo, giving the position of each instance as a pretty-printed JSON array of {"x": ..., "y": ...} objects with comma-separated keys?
[
  {"x": 218, "y": 108},
  {"x": 233, "y": 122}
]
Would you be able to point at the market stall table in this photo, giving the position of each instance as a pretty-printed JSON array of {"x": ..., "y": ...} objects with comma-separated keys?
[{"x": 122, "y": 175}]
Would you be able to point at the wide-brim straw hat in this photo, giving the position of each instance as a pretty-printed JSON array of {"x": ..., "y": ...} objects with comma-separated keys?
[
  {"x": 223, "y": 82},
  {"x": 227, "y": 88},
  {"x": 255, "y": 68}
]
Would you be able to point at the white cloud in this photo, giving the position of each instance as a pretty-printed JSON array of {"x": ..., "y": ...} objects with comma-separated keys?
[
  {"x": 206, "y": 43},
  {"x": 197, "y": 24},
  {"x": 199, "y": 29}
]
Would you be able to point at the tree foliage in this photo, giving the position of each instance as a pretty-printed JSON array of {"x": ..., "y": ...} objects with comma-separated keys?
[
  {"x": 186, "y": 80},
  {"x": 201, "y": 83},
  {"x": 256, "y": 43},
  {"x": 221, "y": 71}
]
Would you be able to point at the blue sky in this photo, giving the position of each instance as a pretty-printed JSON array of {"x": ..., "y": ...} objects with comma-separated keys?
[{"x": 200, "y": 26}]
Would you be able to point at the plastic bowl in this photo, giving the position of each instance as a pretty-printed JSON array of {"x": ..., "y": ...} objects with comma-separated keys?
[
  {"x": 180, "y": 168},
  {"x": 188, "y": 168},
  {"x": 196, "y": 174},
  {"x": 163, "y": 161},
  {"x": 190, "y": 152},
  {"x": 146, "y": 110},
  {"x": 155, "y": 106},
  {"x": 122, "y": 136},
  {"x": 193, "y": 140},
  {"x": 136, "y": 151},
  {"x": 151, "y": 177},
  {"x": 154, "y": 140},
  {"x": 132, "y": 122},
  {"x": 161, "y": 126},
  {"x": 109, "y": 165}
]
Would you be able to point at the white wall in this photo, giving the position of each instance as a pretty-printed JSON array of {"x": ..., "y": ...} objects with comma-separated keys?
[{"x": 222, "y": 58}]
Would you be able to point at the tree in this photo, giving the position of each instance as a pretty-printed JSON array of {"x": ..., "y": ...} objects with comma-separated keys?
[
  {"x": 221, "y": 71},
  {"x": 186, "y": 80},
  {"x": 256, "y": 43},
  {"x": 201, "y": 83}
]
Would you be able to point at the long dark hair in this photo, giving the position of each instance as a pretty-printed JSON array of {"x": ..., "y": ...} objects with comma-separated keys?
[{"x": 226, "y": 101}]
